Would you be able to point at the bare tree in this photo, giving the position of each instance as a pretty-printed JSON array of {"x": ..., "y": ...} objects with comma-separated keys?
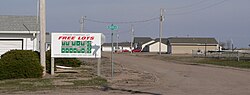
[
  {"x": 228, "y": 44},
  {"x": 223, "y": 45}
]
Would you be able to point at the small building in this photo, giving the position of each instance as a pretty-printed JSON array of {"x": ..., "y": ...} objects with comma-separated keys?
[
  {"x": 141, "y": 42},
  {"x": 125, "y": 46},
  {"x": 121, "y": 46},
  {"x": 19, "y": 33},
  {"x": 107, "y": 47},
  {"x": 154, "y": 46},
  {"x": 188, "y": 45}
]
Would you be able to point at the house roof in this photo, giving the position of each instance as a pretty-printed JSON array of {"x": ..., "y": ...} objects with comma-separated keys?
[
  {"x": 18, "y": 23},
  {"x": 163, "y": 40},
  {"x": 142, "y": 40},
  {"x": 192, "y": 40},
  {"x": 120, "y": 44}
]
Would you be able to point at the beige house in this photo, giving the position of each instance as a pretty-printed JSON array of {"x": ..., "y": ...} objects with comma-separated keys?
[{"x": 190, "y": 45}]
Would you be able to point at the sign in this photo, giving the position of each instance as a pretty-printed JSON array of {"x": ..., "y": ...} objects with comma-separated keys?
[
  {"x": 76, "y": 45},
  {"x": 112, "y": 27}
]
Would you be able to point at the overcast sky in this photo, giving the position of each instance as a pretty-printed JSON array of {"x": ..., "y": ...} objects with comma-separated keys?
[{"x": 221, "y": 19}]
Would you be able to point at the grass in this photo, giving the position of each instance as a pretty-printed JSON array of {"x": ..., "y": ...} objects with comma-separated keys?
[
  {"x": 98, "y": 81},
  {"x": 84, "y": 78},
  {"x": 25, "y": 85},
  {"x": 224, "y": 62},
  {"x": 12, "y": 86},
  {"x": 202, "y": 60}
]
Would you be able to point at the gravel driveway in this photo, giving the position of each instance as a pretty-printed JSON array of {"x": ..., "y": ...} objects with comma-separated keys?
[{"x": 179, "y": 79}]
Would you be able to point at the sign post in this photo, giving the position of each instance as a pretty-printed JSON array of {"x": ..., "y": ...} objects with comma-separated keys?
[
  {"x": 112, "y": 27},
  {"x": 76, "y": 45},
  {"x": 52, "y": 66}
]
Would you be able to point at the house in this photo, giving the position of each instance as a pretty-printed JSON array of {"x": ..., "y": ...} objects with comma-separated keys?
[
  {"x": 187, "y": 45},
  {"x": 141, "y": 42},
  {"x": 125, "y": 46},
  {"x": 121, "y": 46},
  {"x": 154, "y": 46},
  {"x": 18, "y": 32}
]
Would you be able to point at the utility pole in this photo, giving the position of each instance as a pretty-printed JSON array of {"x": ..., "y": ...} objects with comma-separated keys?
[
  {"x": 205, "y": 51},
  {"x": 132, "y": 37},
  {"x": 161, "y": 26},
  {"x": 42, "y": 35},
  {"x": 37, "y": 25},
  {"x": 117, "y": 46},
  {"x": 82, "y": 24},
  {"x": 232, "y": 45}
]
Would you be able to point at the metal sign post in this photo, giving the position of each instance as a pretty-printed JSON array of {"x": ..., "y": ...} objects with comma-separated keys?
[
  {"x": 112, "y": 51},
  {"x": 99, "y": 66},
  {"x": 52, "y": 71},
  {"x": 112, "y": 27}
]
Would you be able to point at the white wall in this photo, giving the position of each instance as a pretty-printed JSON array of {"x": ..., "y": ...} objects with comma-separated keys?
[
  {"x": 147, "y": 44},
  {"x": 126, "y": 48},
  {"x": 106, "y": 48},
  {"x": 155, "y": 47},
  {"x": 29, "y": 41}
]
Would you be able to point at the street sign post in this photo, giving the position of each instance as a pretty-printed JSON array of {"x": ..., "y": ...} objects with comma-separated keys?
[{"x": 112, "y": 27}]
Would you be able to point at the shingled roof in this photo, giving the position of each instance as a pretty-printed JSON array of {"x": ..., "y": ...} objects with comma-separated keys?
[
  {"x": 192, "y": 40},
  {"x": 18, "y": 23},
  {"x": 142, "y": 40},
  {"x": 124, "y": 44},
  {"x": 163, "y": 40}
]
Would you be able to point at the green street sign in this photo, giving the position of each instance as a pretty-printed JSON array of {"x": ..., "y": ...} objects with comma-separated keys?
[{"x": 112, "y": 27}]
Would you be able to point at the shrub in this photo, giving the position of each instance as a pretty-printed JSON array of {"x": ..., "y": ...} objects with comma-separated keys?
[
  {"x": 71, "y": 62},
  {"x": 20, "y": 64}
]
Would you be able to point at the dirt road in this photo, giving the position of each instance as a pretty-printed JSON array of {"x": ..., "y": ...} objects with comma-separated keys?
[{"x": 179, "y": 79}]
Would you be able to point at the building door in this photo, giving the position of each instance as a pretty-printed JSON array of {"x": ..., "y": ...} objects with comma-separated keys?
[{"x": 10, "y": 44}]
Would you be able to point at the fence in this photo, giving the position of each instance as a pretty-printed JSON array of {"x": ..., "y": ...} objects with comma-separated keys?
[{"x": 229, "y": 55}]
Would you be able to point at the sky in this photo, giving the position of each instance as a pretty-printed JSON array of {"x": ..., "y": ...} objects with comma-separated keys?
[{"x": 225, "y": 20}]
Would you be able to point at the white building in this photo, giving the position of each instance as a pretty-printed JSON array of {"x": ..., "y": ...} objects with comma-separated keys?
[
  {"x": 19, "y": 33},
  {"x": 154, "y": 46},
  {"x": 121, "y": 46}
]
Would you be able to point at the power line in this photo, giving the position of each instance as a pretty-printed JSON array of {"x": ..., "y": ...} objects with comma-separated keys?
[
  {"x": 125, "y": 22},
  {"x": 215, "y": 4},
  {"x": 187, "y": 6}
]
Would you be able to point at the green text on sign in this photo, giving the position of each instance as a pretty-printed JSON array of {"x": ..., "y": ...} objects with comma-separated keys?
[
  {"x": 76, "y": 47},
  {"x": 112, "y": 27}
]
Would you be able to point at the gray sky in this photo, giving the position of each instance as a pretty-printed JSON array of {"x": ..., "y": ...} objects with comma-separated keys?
[{"x": 194, "y": 18}]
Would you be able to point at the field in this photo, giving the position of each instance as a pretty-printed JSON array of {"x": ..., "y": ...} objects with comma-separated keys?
[{"x": 225, "y": 59}]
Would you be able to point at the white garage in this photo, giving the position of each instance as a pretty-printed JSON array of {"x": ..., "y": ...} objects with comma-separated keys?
[
  {"x": 8, "y": 44},
  {"x": 18, "y": 33},
  {"x": 154, "y": 46}
]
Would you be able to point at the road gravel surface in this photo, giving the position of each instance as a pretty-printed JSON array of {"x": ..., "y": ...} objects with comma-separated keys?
[{"x": 179, "y": 79}]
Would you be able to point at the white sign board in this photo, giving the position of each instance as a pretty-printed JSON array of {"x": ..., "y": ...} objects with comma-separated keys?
[{"x": 76, "y": 45}]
